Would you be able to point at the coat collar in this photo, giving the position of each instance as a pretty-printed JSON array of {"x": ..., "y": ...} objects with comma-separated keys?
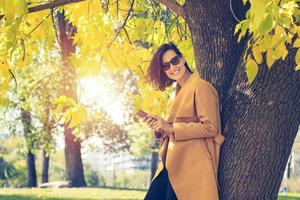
[
  {"x": 180, "y": 107},
  {"x": 192, "y": 77}
]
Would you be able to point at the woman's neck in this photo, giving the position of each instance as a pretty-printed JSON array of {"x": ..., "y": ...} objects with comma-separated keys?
[{"x": 182, "y": 80}]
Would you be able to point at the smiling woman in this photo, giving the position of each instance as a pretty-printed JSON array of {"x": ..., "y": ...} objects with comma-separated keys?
[
  {"x": 191, "y": 134},
  {"x": 101, "y": 92}
]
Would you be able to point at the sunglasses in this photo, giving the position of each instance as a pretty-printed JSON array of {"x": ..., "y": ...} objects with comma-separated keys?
[{"x": 174, "y": 61}]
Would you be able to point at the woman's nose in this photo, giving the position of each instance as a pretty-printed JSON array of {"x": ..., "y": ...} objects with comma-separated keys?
[{"x": 172, "y": 68}]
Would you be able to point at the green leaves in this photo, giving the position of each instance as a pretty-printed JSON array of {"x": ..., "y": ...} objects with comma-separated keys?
[
  {"x": 257, "y": 13},
  {"x": 267, "y": 24}
]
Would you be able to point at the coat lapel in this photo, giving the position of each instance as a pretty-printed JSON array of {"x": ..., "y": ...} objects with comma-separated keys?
[{"x": 182, "y": 105}]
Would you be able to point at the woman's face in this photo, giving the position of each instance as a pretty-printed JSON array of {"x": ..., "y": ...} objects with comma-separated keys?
[{"x": 173, "y": 65}]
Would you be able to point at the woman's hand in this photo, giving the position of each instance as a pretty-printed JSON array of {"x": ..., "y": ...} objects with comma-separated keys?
[{"x": 159, "y": 124}]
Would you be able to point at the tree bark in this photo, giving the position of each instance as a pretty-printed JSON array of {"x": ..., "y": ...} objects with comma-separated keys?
[
  {"x": 47, "y": 138},
  {"x": 73, "y": 161},
  {"x": 259, "y": 121},
  {"x": 45, "y": 170},
  {"x": 217, "y": 52},
  {"x": 31, "y": 170},
  {"x": 2, "y": 168}
]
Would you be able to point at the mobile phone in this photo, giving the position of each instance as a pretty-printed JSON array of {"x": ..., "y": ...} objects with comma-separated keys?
[{"x": 141, "y": 113}]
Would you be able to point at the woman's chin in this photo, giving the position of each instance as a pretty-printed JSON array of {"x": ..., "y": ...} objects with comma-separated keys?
[{"x": 178, "y": 76}]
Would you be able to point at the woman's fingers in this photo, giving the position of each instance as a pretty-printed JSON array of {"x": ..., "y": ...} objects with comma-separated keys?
[
  {"x": 153, "y": 116},
  {"x": 149, "y": 120},
  {"x": 157, "y": 126},
  {"x": 153, "y": 122}
]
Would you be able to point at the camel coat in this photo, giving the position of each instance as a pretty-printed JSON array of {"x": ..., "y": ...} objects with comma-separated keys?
[{"x": 191, "y": 153}]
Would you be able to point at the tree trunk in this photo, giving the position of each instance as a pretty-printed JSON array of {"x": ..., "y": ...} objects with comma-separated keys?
[
  {"x": 2, "y": 168},
  {"x": 45, "y": 170},
  {"x": 31, "y": 171},
  {"x": 259, "y": 121},
  {"x": 217, "y": 52},
  {"x": 74, "y": 167},
  {"x": 73, "y": 161}
]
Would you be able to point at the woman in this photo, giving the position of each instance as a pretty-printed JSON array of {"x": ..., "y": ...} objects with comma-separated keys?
[{"x": 190, "y": 136}]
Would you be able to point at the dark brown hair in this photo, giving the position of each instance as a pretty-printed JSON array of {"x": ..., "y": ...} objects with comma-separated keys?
[{"x": 155, "y": 73}]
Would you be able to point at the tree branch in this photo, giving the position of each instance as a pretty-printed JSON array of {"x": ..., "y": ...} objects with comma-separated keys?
[
  {"x": 174, "y": 6},
  {"x": 49, "y": 6},
  {"x": 123, "y": 24}
]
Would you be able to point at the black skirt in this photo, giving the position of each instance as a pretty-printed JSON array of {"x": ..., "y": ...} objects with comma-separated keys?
[{"x": 161, "y": 188}]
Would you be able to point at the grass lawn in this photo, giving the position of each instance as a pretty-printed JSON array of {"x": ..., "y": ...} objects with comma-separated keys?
[
  {"x": 70, "y": 194},
  {"x": 88, "y": 194},
  {"x": 289, "y": 196}
]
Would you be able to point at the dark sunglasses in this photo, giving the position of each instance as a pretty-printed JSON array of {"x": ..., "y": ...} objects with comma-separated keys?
[{"x": 174, "y": 61}]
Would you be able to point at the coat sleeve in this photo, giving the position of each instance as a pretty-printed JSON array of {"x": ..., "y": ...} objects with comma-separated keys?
[{"x": 207, "y": 107}]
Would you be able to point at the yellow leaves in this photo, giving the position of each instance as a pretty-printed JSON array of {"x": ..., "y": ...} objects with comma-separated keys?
[
  {"x": 251, "y": 70},
  {"x": 256, "y": 51},
  {"x": 70, "y": 112},
  {"x": 272, "y": 27},
  {"x": 274, "y": 54},
  {"x": 13, "y": 9},
  {"x": 124, "y": 5},
  {"x": 244, "y": 2},
  {"x": 282, "y": 51},
  {"x": 86, "y": 65},
  {"x": 78, "y": 115},
  {"x": 152, "y": 101},
  {"x": 297, "y": 60},
  {"x": 278, "y": 37},
  {"x": 5, "y": 79},
  {"x": 242, "y": 26},
  {"x": 290, "y": 7},
  {"x": 257, "y": 13},
  {"x": 270, "y": 59},
  {"x": 297, "y": 57},
  {"x": 297, "y": 43},
  {"x": 297, "y": 29},
  {"x": 139, "y": 27},
  {"x": 62, "y": 102}
]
